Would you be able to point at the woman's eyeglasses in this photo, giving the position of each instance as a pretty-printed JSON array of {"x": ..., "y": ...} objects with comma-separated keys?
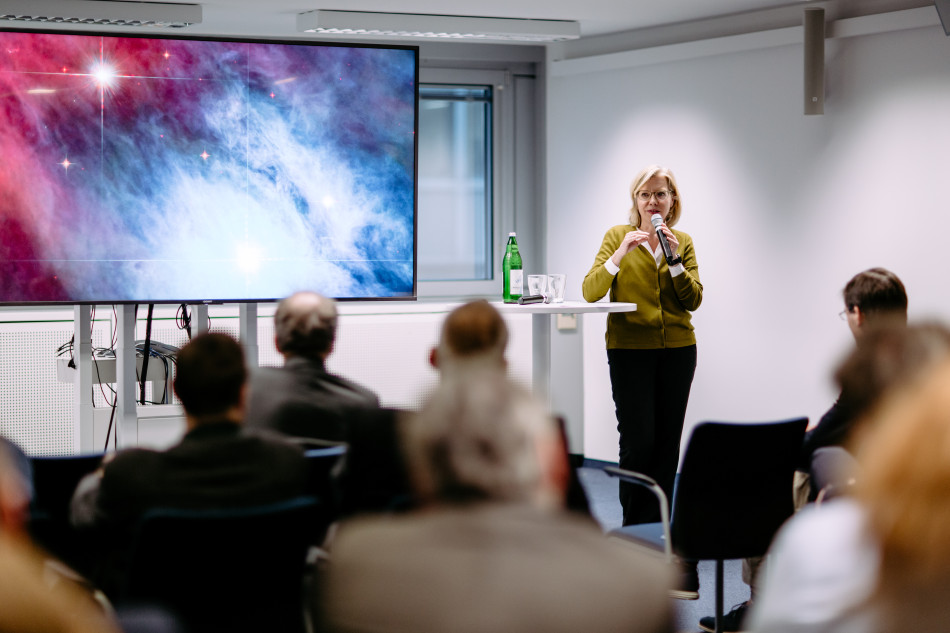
[{"x": 661, "y": 196}]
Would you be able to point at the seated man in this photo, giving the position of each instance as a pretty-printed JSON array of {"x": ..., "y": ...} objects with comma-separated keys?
[
  {"x": 476, "y": 335},
  {"x": 473, "y": 333},
  {"x": 872, "y": 298},
  {"x": 303, "y": 399},
  {"x": 491, "y": 548},
  {"x": 215, "y": 465},
  {"x": 375, "y": 478},
  {"x": 876, "y": 559}
]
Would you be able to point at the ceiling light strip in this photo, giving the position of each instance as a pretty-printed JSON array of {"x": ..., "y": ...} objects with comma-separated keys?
[
  {"x": 102, "y": 13},
  {"x": 360, "y": 23}
]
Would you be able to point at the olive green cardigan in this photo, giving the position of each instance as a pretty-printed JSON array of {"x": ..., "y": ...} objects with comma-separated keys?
[{"x": 664, "y": 302}]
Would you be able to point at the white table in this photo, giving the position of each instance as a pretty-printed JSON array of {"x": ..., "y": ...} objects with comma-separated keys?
[{"x": 541, "y": 314}]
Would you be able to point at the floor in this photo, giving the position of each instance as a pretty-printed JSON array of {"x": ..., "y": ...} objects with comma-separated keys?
[{"x": 602, "y": 494}]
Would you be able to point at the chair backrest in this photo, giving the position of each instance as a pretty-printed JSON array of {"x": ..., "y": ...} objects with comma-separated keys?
[
  {"x": 323, "y": 478},
  {"x": 735, "y": 488},
  {"x": 225, "y": 570},
  {"x": 576, "y": 498},
  {"x": 54, "y": 481},
  {"x": 375, "y": 478}
]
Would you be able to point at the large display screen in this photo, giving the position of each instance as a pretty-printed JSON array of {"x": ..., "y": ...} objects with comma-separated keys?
[{"x": 160, "y": 170}]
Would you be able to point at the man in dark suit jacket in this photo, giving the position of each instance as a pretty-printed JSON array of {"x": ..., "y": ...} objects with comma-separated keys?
[
  {"x": 493, "y": 548},
  {"x": 873, "y": 299},
  {"x": 217, "y": 464},
  {"x": 302, "y": 398}
]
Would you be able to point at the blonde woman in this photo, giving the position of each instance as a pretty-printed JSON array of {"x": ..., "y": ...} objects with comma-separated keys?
[{"x": 651, "y": 351}]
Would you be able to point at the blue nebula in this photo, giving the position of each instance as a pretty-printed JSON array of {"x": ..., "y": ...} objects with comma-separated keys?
[{"x": 166, "y": 170}]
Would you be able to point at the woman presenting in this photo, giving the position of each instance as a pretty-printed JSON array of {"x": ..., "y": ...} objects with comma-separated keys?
[{"x": 651, "y": 351}]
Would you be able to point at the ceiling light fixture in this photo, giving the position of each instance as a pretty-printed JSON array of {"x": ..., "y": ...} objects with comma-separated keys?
[
  {"x": 102, "y": 12},
  {"x": 451, "y": 27}
]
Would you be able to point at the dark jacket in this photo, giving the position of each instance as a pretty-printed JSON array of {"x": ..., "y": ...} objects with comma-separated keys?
[
  {"x": 303, "y": 399},
  {"x": 216, "y": 465}
]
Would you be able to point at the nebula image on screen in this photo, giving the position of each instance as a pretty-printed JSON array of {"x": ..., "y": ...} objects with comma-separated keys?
[{"x": 155, "y": 170}]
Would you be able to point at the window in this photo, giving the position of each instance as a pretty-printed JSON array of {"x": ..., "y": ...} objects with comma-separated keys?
[
  {"x": 455, "y": 183},
  {"x": 478, "y": 178}
]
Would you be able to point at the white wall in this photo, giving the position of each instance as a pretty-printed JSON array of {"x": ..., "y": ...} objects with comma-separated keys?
[{"x": 784, "y": 208}]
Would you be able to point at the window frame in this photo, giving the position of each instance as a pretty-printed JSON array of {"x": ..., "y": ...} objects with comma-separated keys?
[{"x": 502, "y": 194}]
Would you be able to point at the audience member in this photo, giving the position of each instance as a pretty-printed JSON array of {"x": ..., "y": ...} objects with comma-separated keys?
[
  {"x": 303, "y": 399},
  {"x": 472, "y": 334},
  {"x": 491, "y": 549},
  {"x": 33, "y": 597},
  {"x": 215, "y": 465},
  {"x": 879, "y": 561},
  {"x": 476, "y": 335},
  {"x": 873, "y": 299}
]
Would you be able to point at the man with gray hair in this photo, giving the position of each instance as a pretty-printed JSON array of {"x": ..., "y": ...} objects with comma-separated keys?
[
  {"x": 302, "y": 398},
  {"x": 491, "y": 548}
]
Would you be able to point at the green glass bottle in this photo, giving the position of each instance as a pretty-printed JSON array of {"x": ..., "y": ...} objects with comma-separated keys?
[{"x": 511, "y": 267}]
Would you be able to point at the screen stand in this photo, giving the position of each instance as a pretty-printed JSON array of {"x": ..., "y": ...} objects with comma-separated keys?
[
  {"x": 248, "y": 333},
  {"x": 199, "y": 318},
  {"x": 126, "y": 414},
  {"x": 82, "y": 357}
]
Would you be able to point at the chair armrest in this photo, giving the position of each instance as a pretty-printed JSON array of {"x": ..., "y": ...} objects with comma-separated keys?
[
  {"x": 833, "y": 472},
  {"x": 649, "y": 483},
  {"x": 633, "y": 477}
]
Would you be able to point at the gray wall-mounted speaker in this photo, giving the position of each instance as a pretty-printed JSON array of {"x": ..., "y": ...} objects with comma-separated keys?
[
  {"x": 943, "y": 10},
  {"x": 814, "y": 44}
]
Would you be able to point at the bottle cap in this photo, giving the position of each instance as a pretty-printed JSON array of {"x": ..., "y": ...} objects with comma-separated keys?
[{"x": 511, "y": 234}]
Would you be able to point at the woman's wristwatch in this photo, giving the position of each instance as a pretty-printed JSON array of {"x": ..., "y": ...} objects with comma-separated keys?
[{"x": 676, "y": 260}]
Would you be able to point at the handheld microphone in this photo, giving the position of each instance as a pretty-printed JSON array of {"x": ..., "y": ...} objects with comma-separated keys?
[
  {"x": 656, "y": 221},
  {"x": 527, "y": 299}
]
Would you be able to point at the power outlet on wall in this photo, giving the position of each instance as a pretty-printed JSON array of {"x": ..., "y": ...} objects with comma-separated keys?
[{"x": 566, "y": 322}]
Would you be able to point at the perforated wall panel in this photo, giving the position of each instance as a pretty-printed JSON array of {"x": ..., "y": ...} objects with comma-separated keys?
[{"x": 36, "y": 410}]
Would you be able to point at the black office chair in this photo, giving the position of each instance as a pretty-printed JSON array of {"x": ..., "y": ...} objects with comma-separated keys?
[
  {"x": 325, "y": 466},
  {"x": 235, "y": 570},
  {"x": 733, "y": 493},
  {"x": 375, "y": 479},
  {"x": 54, "y": 481}
]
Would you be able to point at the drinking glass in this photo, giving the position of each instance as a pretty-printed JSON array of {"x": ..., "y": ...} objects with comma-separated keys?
[
  {"x": 556, "y": 284},
  {"x": 537, "y": 284}
]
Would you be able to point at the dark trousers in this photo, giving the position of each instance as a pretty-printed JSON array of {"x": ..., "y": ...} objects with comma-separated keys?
[{"x": 650, "y": 390}]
